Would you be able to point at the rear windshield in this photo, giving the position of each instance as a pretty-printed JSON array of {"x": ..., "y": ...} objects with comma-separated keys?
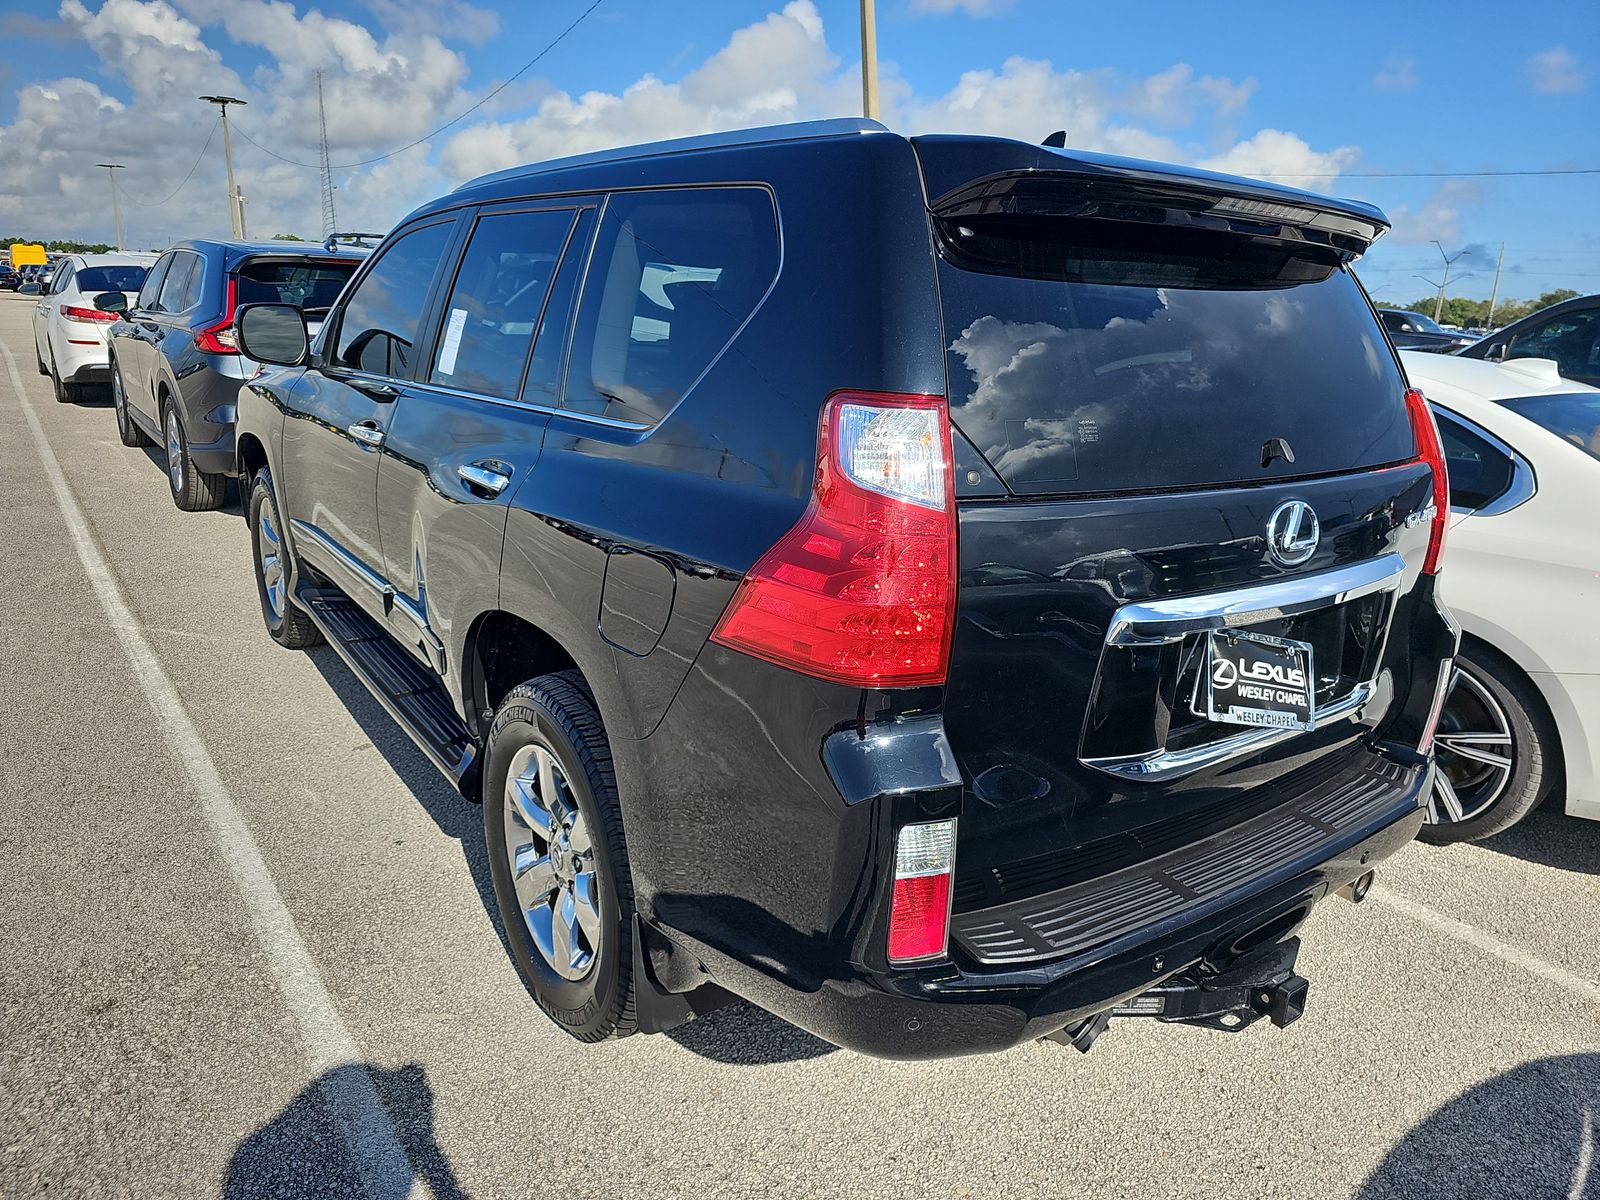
[
  {"x": 1091, "y": 356},
  {"x": 1575, "y": 417},
  {"x": 311, "y": 284},
  {"x": 110, "y": 279}
]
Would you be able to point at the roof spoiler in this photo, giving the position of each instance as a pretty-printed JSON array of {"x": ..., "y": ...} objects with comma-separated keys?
[{"x": 1199, "y": 202}]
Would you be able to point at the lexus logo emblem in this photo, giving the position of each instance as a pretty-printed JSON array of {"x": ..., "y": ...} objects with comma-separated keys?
[
  {"x": 1293, "y": 532},
  {"x": 1224, "y": 674}
]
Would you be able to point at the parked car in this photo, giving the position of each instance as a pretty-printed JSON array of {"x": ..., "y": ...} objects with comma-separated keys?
[
  {"x": 175, "y": 369},
  {"x": 1567, "y": 334},
  {"x": 69, "y": 331},
  {"x": 1522, "y": 716},
  {"x": 943, "y": 623},
  {"x": 10, "y": 280},
  {"x": 1416, "y": 331}
]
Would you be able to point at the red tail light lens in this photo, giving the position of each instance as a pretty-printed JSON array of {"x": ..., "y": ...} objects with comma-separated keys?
[
  {"x": 1430, "y": 449},
  {"x": 919, "y": 913},
  {"x": 862, "y": 590},
  {"x": 73, "y": 313},
  {"x": 218, "y": 338}
]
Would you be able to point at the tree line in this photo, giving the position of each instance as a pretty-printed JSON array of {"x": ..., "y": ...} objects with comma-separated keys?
[{"x": 1474, "y": 314}]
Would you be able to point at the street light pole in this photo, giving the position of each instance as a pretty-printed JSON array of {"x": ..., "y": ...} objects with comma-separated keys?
[
  {"x": 222, "y": 103},
  {"x": 116, "y": 210},
  {"x": 1438, "y": 304},
  {"x": 1494, "y": 295},
  {"x": 869, "y": 61}
]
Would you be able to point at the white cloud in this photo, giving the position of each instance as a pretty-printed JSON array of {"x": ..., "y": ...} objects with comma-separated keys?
[
  {"x": 973, "y": 8},
  {"x": 1399, "y": 74},
  {"x": 1555, "y": 71},
  {"x": 1285, "y": 157},
  {"x": 1439, "y": 217}
]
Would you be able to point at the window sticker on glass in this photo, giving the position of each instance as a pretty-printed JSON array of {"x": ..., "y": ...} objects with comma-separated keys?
[{"x": 452, "y": 341}]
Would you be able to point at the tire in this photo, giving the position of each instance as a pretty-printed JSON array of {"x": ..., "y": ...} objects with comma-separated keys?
[
  {"x": 128, "y": 431},
  {"x": 193, "y": 490},
  {"x": 1492, "y": 711},
  {"x": 555, "y": 715},
  {"x": 64, "y": 393},
  {"x": 288, "y": 624},
  {"x": 39, "y": 360}
]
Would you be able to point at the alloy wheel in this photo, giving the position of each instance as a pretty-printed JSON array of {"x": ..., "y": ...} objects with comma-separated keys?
[
  {"x": 552, "y": 861},
  {"x": 269, "y": 552},
  {"x": 174, "y": 450},
  {"x": 1474, "y": 749},
  {"x": 119, "y": 400}
]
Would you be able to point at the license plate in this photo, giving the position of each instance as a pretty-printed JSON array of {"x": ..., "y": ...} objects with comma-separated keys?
[{"x": 1253, "y": 679}]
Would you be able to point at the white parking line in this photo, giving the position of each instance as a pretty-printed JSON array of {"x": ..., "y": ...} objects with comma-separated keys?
[
  {"x": 1480, "y": 939},
  {"x": 369, "y": 1136}
]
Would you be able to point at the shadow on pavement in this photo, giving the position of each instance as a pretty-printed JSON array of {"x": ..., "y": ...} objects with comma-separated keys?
[
  {"x": 743, "y": 1035},
  {"x": 1552, "y": 838},
  {"x": 1529, "y": 1132},
  {"x": 301, "y": 1153}
]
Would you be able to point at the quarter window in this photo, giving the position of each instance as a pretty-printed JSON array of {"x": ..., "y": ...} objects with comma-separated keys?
[
  {"x": 1480, "y": 473},
  {"x": 674, "y": 276},
  {"x": 380, "y": 322},
  {"x": 495, "y": 303}
]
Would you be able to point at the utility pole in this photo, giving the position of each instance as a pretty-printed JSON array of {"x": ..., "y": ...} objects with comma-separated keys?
[
  {"x": 869, "y": 61},
  {"x": 1494, "y": 295},
  {"x": 329, "y": 221},
  {"x": 234, "y": 212},
  {"x": 1449, "y": 260},
  {"x": 116, "y": 210},
  {"x": 243, "y": 233}
]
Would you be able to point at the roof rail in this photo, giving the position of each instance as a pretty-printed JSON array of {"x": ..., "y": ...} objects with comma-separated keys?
[{"x": 793, "y": 132}]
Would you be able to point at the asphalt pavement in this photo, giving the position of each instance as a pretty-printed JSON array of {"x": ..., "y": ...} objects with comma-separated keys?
[{"x": 246, "y": 951}]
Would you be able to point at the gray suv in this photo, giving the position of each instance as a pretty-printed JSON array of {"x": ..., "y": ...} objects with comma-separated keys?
[{"x": 175, "y": 369}]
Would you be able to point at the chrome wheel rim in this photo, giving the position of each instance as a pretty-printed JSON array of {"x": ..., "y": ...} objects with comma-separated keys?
[
  {"x": 269, "y": 552},
  {"x": 174, "y": 451},
  {"x": 552, "y": 863},
  {"x": 1474, "y": 752},
  {"x": 118, "y": 400}
]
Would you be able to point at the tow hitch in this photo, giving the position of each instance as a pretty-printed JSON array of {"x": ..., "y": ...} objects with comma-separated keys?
[{"x": 1260, "y": 984}]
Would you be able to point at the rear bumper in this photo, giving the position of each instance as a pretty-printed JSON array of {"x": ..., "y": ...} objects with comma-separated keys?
[
  {"x": 964, "y": 1008},
  {"x": 210, "y": 404}
]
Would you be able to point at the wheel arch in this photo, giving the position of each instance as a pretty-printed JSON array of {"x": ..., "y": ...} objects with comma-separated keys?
[
  {"x": 1482, "y": 649},
  {"x": 501, "y": 650},
  {"x": 250, "y": 456}
]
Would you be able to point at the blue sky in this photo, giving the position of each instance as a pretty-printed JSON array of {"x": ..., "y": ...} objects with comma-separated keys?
[{"x": 1419, "y": 88}]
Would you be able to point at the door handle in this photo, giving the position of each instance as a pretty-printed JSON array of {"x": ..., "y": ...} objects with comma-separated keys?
[
  {"x": 366, "y": 431},
  {"x": 484, "y": 476}
]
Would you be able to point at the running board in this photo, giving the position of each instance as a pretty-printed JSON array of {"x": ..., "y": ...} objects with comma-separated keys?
[{"x": 414, "y": 695}]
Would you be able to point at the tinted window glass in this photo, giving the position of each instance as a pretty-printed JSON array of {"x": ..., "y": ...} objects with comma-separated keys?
[
  {"x": 197, "y": 279},
  {"x": 379, "y": 324},
  {"x": 1093, "y": 356},
  {"x": 544, "y": 372},
  {"x": 177, "y": 282},
  {"x": 1575, "y": 417},
  {"x": 494, "y": 305},
  {"x": 308, "y": 283},
  {"x": 1479, "y": 473},
  {"x": 153, "y": 281},
  {"x": 111, "y": 279},
  {"x": 674, "y": 276},
  {"x": 1572, "y": 340}
]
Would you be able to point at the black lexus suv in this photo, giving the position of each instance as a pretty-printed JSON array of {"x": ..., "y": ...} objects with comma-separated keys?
[{"x": 944, "y": 590}]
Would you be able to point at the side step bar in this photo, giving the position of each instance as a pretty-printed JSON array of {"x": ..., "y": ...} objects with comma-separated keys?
[{"x": 413, "y": 695}]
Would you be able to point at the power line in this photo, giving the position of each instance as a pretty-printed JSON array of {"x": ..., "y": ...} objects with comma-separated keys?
[
  {"x": 196, "y": 166},
  {"x": 366, "y": 162},
  {"x": 1431, "y": 174}
]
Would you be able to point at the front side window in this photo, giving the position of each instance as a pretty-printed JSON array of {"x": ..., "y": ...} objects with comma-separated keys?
[
  {"x": 1480, "y": 472},
  {"x": 380, "y": 322},
  {"x": 674, "y": 276},
  {"x": 1573, "y": 417},
  {"x": 1571, "y": 340},
  {"x": 495, "y": 303},
  {"x": 153, "y": 282}
]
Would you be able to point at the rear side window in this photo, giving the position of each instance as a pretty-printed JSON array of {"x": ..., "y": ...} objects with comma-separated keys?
[
  {"x": 379, "y": 326},
  {"x": 1092, "y": 356},
  {"x": 1574, "y": 417},
  {"x": 309, "y": 283},
  {"x": 495, "y": 303},
  {"x": 177, "y": 282},
  {"x": 153, "y": 282},
  {"x": 674, "y": 276},
  {"x": 1480, "y": 472}
]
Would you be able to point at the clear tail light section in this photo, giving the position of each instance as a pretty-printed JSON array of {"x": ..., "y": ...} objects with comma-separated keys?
[
  {"x": 919, "y": 913},
  {"x": 94, "y": 316},
  {"x": 1441, "y": 691},
  {"x": 219, "y": 338},
  {"x": 862, "y": 590},
  {"x": 1430, "y": 449}
]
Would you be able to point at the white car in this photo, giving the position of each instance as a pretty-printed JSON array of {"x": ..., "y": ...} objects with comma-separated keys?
[
  {"x": 69, "y": 332},
  {"x": 1522, "y": 575}
]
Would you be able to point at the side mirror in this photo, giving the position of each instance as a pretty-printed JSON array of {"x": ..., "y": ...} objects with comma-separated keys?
[
  {"x": 28, "y": 289},
  {"x": 274, "y": 334},
  {"x": 1497, "y": 352},
  {"x": 112, "y": 302}
]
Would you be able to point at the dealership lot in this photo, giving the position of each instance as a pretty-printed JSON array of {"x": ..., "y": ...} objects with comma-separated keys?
[{"x": 182, "y": 1017}]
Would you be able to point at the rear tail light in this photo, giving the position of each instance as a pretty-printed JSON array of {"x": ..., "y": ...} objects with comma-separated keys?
[
  {"x": 862, "y": 590},
  {"x": 919, "y": 914},
  {"x": 1430, "y": 449},
  {"x": 218, "y": 338},
  {"x": 73, "y": 313}
]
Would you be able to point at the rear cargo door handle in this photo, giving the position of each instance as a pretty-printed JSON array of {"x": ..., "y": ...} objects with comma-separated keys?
[
  {"x": 366, "y": 431},
  {"x": 484, "y": 476}
]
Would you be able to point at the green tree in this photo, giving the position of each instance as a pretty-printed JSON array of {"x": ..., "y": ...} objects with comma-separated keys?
[{"x": 287, "y": 237}]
